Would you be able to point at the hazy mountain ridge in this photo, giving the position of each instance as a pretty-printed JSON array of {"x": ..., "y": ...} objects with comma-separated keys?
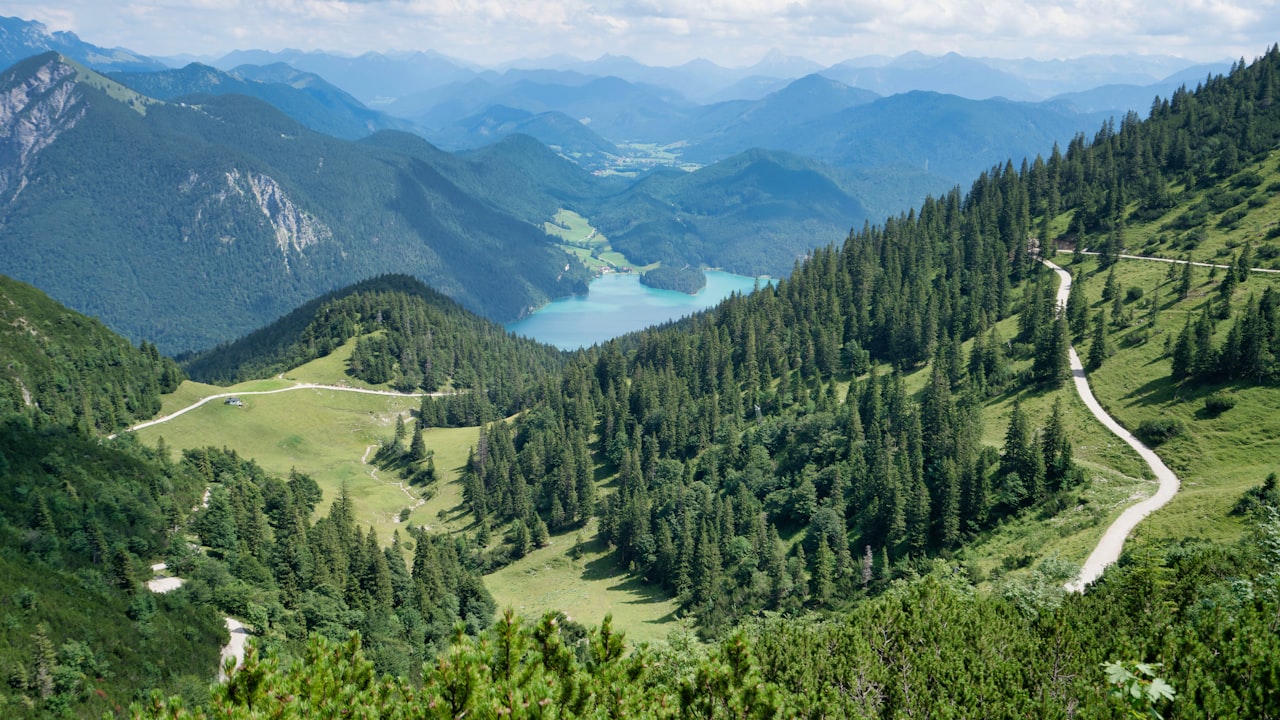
[
  {"x": 199, "y": 221},
  {"x": 21, "y": 39},
  {"x": 305, "y": 97}
]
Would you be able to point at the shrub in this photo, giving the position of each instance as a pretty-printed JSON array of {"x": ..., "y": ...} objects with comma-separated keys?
[
  {"x": 1247, "y": 179},
  {"x": 1219, "y": 402},
  {"x": 1233, "y": 217},
  {"x": 1156, "y": 432},
  {"x": 1133, "y": 294}
]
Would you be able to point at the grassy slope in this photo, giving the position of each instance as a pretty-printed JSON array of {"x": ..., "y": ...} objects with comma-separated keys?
[
  {"x": 325, "y": 433},
  {"x": 1219, "y": 457},
  {"x": 581, "y": 240},
  {"x": 585, "y": 588}
]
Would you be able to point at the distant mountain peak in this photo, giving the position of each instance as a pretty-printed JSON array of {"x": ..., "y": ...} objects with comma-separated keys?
[{"x": 20, "y": 39}]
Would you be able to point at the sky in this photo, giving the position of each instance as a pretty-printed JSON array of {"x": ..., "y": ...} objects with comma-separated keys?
[{"x": 732, "y": 33}]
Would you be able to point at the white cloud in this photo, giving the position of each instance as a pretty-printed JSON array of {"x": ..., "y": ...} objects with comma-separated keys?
[{"x": 674, "y": 31}]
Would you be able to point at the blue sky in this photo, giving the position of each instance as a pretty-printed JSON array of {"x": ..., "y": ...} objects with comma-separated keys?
[{"x": 669, "y": 32}]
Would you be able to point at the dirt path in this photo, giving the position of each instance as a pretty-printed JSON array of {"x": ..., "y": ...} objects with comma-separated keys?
[
  {"x": 291, "y": 388},
  {"x": 373, "y": 473},
  {"x": 1109, "y": 547},
  {"x": 234, "y": 648},
  {"x": 1179, "y": 262}
]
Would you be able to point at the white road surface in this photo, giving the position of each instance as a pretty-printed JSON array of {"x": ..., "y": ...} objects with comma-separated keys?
[
  {"x": 1112, "y": 542},
  {"x": 163, "y": 583},
  {"x": 291, "y": 388},
  {"x": 235, "y": 647}
]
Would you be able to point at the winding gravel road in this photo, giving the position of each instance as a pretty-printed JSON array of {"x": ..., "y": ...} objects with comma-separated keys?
[
  {"x": 163, "y": 583},
  {"x": 234, "y": 647},
  {"x": 291, "y": 388},
  {"x": 1112, "y": 542}
]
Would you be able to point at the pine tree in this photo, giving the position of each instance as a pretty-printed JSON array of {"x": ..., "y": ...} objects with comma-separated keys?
[
  {"x": 1056, "y": 449},
  {"x": 1099, "y": 350},
  {"x": 521, "y": 539},
  {"x": 44, "y": 661},
  {"x": 1111, "y": 290},
  {"x": 418, "y": 446},
  {"x": 949, "y": 510},
  {"x": 122, "y": 570},
  {"x": 1184, "y": 279},
  {"x": 824, "y": 571},
  {"x": 1244, "y": 263},
  {"x": 1015, "y": 470},
  {"x": 1052, "y": 359},
  {"x": 1077, "y": 309},
  {"x": 1182, "y": 356}
]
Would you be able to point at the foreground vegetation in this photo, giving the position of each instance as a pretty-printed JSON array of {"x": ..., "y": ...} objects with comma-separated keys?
[
  {"x": 1200, "y": 617},
  {"x": 804, "y": 470}
]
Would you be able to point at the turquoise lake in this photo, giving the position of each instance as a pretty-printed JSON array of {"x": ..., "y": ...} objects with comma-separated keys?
[{"x": 618, "y": 304}]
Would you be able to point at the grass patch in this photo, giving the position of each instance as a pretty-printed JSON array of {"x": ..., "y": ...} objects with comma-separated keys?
[
  {"x": 1218, "y": 456},
  {"x": 586, "y": 589},
  {"x": 586, "y": 243}
]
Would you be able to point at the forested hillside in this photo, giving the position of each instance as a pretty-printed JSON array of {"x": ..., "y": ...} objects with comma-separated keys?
[
  {"x": 64, "y": 369},
  {"x": 190, "y": 224},
  {"x": 82, "y": 518},
  {"x": 414, "y": 339},
  {"x": 759, "y": 421},
  {"x": 1200, "y": 616}
]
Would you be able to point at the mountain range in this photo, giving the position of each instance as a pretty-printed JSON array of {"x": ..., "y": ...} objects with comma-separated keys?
[
  {"x": 243, "y": 182},
  {"x": 305, "y": 97},
  {"x": 192, "y": 222},
  {"x": 21, "y": 39}
]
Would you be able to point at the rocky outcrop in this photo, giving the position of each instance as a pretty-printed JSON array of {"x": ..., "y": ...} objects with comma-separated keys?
[
  {"x": 33, "y": 113},
  {"x": 295, "y": 228}
]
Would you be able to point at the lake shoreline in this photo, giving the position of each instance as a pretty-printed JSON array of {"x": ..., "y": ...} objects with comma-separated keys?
[{"x": 617, "y": 304}]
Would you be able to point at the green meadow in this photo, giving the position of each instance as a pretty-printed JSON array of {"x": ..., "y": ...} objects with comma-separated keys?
[
  {"x": 332, "y": 435},
  {"x": 1219, "y": 456},
  {"x": 586, "y": 585},
  {"x": 586, "y": 243}
]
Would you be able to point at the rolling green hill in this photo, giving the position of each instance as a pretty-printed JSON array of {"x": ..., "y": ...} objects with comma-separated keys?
[
  {"x": 417, "y": 340},
  {"x": 62, "y": 368}
]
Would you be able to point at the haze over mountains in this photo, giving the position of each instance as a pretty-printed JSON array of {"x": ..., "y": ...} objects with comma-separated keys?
[
  {"x": 237, "y": 187},
  {"x": 870, "y": 477}
]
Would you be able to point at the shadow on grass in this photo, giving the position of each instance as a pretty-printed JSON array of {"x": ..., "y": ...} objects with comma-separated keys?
[
  {"x": 606, "y": 567},
  {"x": 1158, "y": 391}
]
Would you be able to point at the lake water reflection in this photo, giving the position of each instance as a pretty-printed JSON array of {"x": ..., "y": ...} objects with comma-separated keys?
[{"x": 618, "y": 304}]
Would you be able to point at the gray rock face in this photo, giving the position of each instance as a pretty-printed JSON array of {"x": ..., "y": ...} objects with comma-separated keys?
[{"x": 33, "y": 114}]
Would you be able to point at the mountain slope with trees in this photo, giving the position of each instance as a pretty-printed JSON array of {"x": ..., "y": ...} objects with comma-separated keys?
[
  {"x": 410, "y": 337},
  {"x": 304, "y": 97},
  {"x": 750, "y": 422},
  {"x": 82, "y": 517},
  {"x": 192, "y": 223},
  {"x": 61, "y": 368}
]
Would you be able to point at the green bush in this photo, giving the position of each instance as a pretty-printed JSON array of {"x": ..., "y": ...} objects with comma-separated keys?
[
  {"x": 1156, "y": 432},
  {"x": 1219, "y": 402}
]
